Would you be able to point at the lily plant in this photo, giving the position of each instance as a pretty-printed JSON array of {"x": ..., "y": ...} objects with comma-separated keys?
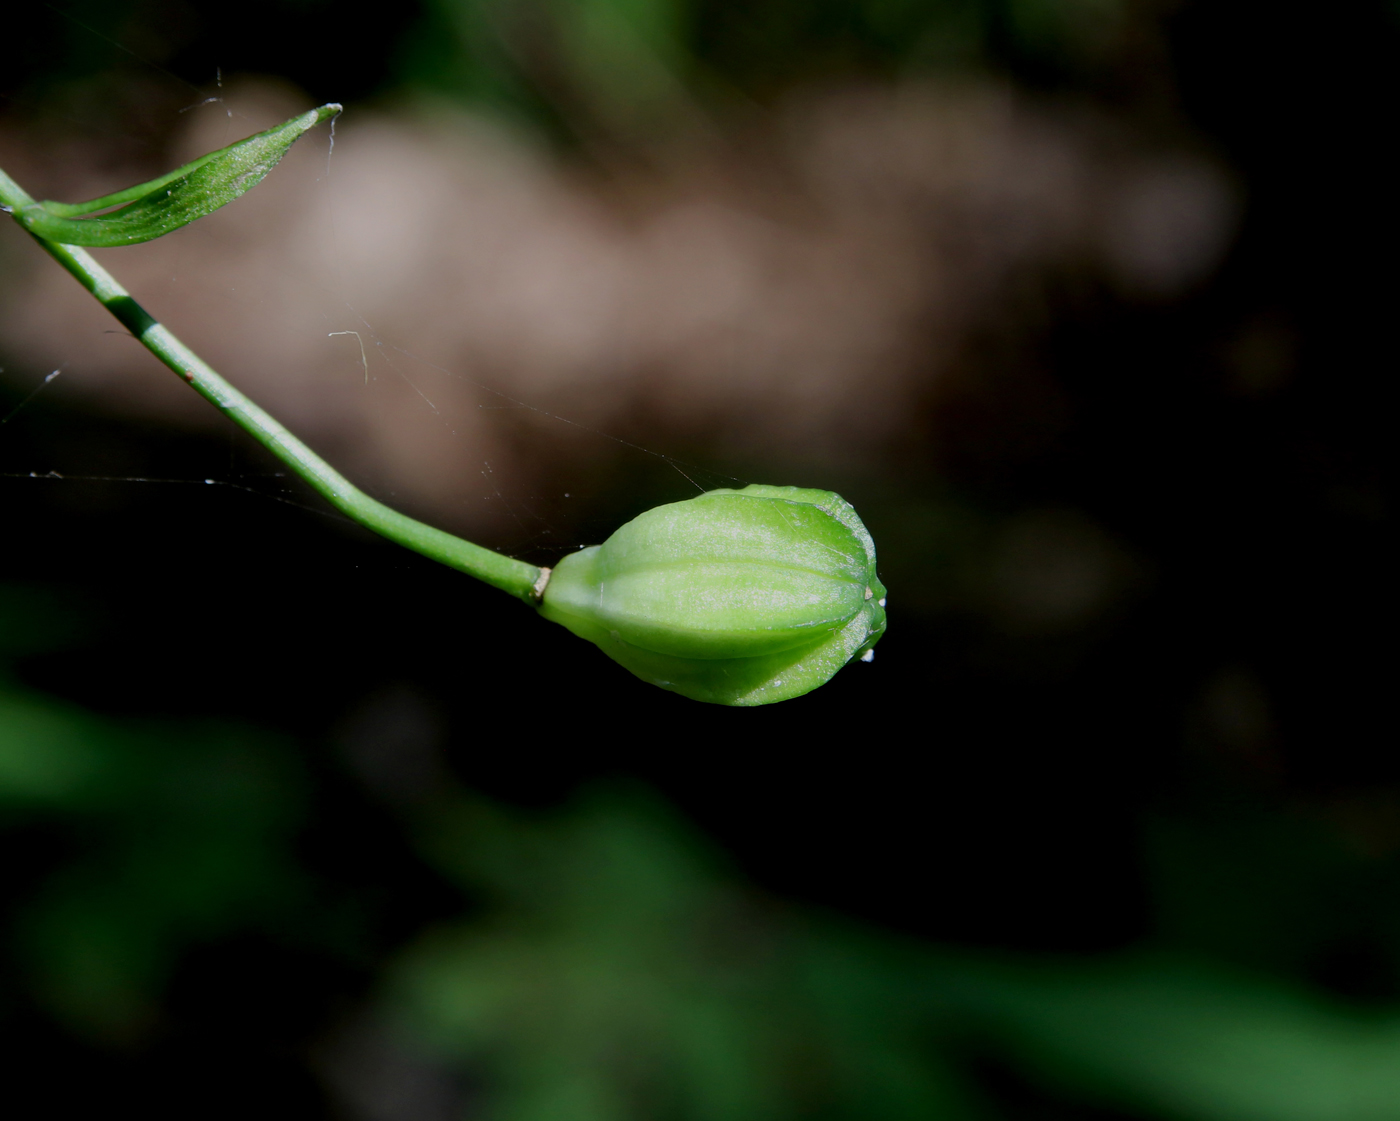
[{"x": 736, "y": 597}]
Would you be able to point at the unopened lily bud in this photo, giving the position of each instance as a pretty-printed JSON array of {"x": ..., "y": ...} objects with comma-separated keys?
[{"x": 739, "y": 597}]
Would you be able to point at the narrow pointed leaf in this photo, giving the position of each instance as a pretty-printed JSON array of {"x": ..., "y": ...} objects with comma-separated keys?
[
  {"x": 127, "y": 194},
  {"x": 173, "y": 200}
]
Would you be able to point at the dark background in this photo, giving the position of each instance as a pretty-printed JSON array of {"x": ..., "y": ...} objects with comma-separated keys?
[{"x": 1081, "y": 791}]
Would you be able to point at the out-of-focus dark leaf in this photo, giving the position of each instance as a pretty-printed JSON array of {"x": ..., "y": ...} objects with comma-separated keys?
[
  {"x": 1175, "y": 1038},
  {"x": 621, "y": 975},
  {"x": 177, "y": 835},
  {"x": 619, "y": 967}
]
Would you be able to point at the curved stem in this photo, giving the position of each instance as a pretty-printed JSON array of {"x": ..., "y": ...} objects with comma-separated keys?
[{"x": 516, "y": 577}]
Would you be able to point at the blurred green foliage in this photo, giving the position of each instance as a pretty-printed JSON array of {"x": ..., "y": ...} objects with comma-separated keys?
[
  {"x": 618, "y": 972},
  {"x": 144, "y": 840},
  {"x": 632, "y": 69},
  {"x": 613, "y": 71},
  {"x": 611, "y": 967}
]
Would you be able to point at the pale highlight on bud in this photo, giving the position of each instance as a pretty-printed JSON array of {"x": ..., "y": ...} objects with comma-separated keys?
[{"x": 737, "y": 597}]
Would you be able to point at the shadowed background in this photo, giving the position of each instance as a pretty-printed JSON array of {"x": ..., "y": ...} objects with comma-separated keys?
[{"x": 1079, "y": 303}]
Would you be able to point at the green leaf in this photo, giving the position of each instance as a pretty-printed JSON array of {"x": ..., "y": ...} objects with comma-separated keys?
[{"x": 149, "y": 210}]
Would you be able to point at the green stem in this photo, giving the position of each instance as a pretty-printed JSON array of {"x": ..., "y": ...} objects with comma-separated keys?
[{"x": 513, "y": 576}]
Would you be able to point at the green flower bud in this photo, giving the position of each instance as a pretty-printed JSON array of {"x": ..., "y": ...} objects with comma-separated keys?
[{"x": 738, "y": 597}]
